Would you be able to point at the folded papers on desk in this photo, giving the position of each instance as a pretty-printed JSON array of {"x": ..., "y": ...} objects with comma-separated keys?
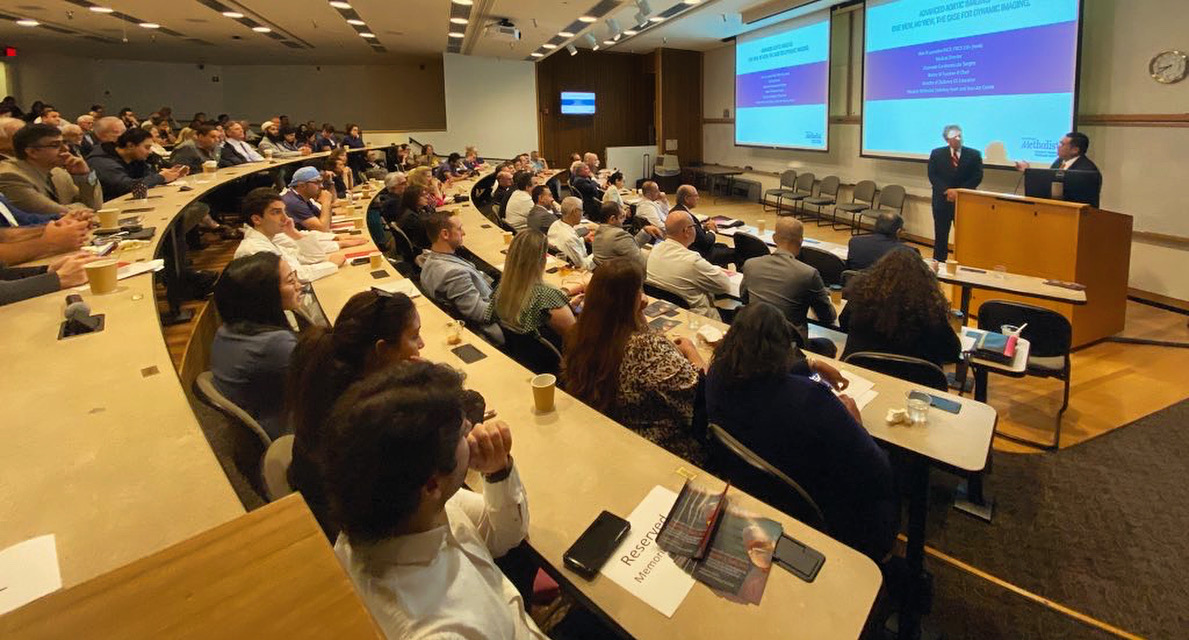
[
  {"x": 640, "y": 566},
  {"x": 28, "y": 570}
]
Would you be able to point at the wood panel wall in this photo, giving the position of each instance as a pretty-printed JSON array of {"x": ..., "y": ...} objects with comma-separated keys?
[
  {"x": 625, "y": 90},
  {"x": 679, "y": 107}
]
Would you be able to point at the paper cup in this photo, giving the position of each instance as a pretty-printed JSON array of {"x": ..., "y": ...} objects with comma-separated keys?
[
  {"x": 543, "y": 386},
  {"x": 507, "y": 237},
  {"x": 761, "y": 226},
  {"x": 210, "y": 166},
  {"x": 101, "y": 275},
  {"x": 108, "y": 218},
  {"x": 376, "y": 261},
  {"x": 951, "y": 267}
]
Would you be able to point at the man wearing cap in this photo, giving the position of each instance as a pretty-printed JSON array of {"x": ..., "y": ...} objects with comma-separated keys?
[
  {"x": 306, "y": 202},
  {"x": 951, "y": 167}
]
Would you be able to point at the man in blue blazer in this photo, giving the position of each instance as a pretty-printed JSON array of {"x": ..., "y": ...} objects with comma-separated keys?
[{"x": 950, "y": 167}]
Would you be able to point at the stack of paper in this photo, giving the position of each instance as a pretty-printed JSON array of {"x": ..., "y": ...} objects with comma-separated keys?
[
  {"x": 860, "y": 389},
  {"x": 399, "y": 286}
]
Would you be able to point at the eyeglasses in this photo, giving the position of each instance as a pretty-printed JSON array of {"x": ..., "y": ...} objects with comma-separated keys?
[{"x": 51, "y": 145}]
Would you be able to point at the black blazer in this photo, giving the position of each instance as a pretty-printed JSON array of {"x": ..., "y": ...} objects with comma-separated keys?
[
  {"x": 1090, "y": 194},
  {"x": 865, "y": 250},
  {"x": 943, "y": 175}
]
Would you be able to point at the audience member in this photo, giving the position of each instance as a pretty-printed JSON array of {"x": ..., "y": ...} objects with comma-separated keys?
[
  {"x": 50, "y": 116},
  {"x": 326, "y": 140},
  {"x": 395, "y": 184},
  {"x": 544, "y": 212},
  {"x": 236, "y": 149},
  {"x": 523, "y": 301},
  {"x": 121, "y": 164},
  {"x": 306, "y": 202},
  {"x": 538, "y": 162},
  {"x": 450, "y": 168},
  {"x": 158, "y": 144},
  {"x": 615, "y": 363},
  {"x": 564, "y": 236},
  {"x": 282, "y": 142},
  {"x": 399, "y": 447},
  {"x": 789, "y": 285},
  {"x": 204, "y": 149},
  {"x": 672, "y": 266},
  {"x": 896, "y": 306},
  {"x": 450, "y": 280},
  {"x": 251, "y": 350},
  {"x": 108, "y": 129},
  {"x": 269, "y": 229},
  {"x": 503, "y": 190},
  {"x": 520, "y": 201},
  {"x": 614, "y": 184},
  {"x": 796, "y": 424},
  {"x": 653, "y": 207},
  {"x": 353, "y": 139},
  {"x": 715, "y": 252},
  {"x": 40, "y": 241},
  {"x": 44, "y": 177},
  {"x": 13, "y": 216},
  {"x": 8, "y": 128},
  {"x": 412, "y": 216},
  {"x": 72, "y": 136},
  {"x": 86, "y": 122},
  {"x": 22, "y": 283},
  {"x": 472, "y": 160},
  {"x": 428, "y": 157},
  {"x": 591, "y": 160},
  {"x": 611, "y": 241},
  {"x": 588, "y": 190},
  {"x": 339, "y": 177},
  {"x": 865, "y": 250}
]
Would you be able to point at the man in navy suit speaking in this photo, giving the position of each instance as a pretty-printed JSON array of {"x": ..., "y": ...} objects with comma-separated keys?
[{"x": 950, "y": 167}]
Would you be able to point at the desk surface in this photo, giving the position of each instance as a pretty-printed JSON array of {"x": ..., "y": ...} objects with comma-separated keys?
[{"x": 267, "y": 574}]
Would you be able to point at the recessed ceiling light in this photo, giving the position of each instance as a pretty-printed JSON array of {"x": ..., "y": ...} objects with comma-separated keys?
[
  {"x": 587, "y": 19},
  {"x": 98, "y": 9},
  {"x": 691, "y": 1},
  {"x": 358, "y": 23},
  {"x": 261, "y": 29},
  {"x": 457, "y": 34},
  {"x": 465, "y": 3},
  {"x": 657, "y": 19},
  {"x": 549, "y": 46},
  {"x": 630, "y": 32},
  {"x": 458, "y": 20},
  {"x": 367, "y": 34},
  {"x": 608, "y": 42},
  {"x": 536, "y": 54},
  {"x": 565, "y": 34},
  {"x": 28, "y": 23},
  {"x": 150, "y": 25},
  {"x": 341, "y": 5},
  {"x": 233, "y": 14}
]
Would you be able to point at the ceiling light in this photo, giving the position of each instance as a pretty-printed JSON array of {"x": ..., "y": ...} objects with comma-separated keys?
[
  {"x": 150, "y": 25},
  {"x": 657, "y": 18},
  {"x": 367, "y": 34},
  {"x": 691, "y": 1},
  {"x": 572, "y": 49},
  {"x": 587, "y": 19},
  {"x": 549, "y": 46},
  {"x": 98, "y": 9},
  {"x": 458, "y": 20},
  {"x": 630, "y": 32},
  {"x": 536, "y": 54},
  {"x": 565, "y": 34},
  {"x": 340, "y": 5},
  {"x": 465, "y": 3},
  {"x": 28, "y": 23},
  {"x": 590, "y": 40},
  {"x": 457, "y": 34},
  {"x": 608, "y": 42},
  {"x": 613, "y": 25},
  {"x": 232, "y": 14},
  {"x": 261, "y": 29},
  {"x": 358, "y": 23}
]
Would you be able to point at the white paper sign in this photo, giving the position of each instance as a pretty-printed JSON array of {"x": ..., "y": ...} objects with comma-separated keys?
[
  {"x": 640, "y": 566},
  {"x": 28, "y": 570}
]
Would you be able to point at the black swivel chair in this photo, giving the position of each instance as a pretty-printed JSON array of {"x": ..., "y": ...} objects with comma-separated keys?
[
  {"x": 827, "y": 264},
  {"x": 747, "y": 247},
  {"x": 533, "y": 352},
  {"x": 404, "y": 249},
  {"x": 752, "y": 473},
  {"x": 1050, "y": 337},
  {"x": 914, "y": 370}
]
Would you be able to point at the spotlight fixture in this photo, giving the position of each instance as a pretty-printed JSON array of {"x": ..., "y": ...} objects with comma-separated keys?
[
  {"x": 590, "y": 40},
  {"x": 613, "y": 25},
  {"x": 28, "y": 23},
  {"x": 232, "y": 14},
  {"x": 644, "y": 7},
  {"x": 572, "y": 49},
  {"x": 641, "y": 17}
]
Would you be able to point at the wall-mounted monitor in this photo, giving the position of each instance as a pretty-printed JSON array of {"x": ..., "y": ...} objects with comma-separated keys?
[{"x": 578, "y": 103}]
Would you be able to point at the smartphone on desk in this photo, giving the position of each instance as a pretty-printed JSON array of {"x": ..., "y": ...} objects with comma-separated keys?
[{"x": 595, "y": 545}]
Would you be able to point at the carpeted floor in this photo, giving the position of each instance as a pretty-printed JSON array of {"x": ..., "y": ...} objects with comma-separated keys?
[{"x": 1100, "y": 528}]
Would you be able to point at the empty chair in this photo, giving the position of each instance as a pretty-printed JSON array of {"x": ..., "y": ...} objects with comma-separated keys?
[
  {"x": 249, "y": 441},
  {"x": 914, "y": 370},
  {"x": 533, "y": 352},
  {"x": 1050, "y": 337},
  {"x": 747, "y": 247},
  {"x": 803, "y": 190},
  {"x": 891, "y": 198},
  {"x": 863, "y": 198},
  {"x": 746, "y": 469},
  {"x": 827, "y": 195},
  {"x": 827, "y": 264},
  {"x": 788, "y": 184},
  {"x": 274, "y": 473}
]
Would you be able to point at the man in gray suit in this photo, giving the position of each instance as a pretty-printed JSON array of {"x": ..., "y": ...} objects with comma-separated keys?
[
  {"x": 611, "y": 241},
  {"x": 448, "y": 279},
  {"x": 788, "y": 284},
  {"x": 44, "y": 177}
]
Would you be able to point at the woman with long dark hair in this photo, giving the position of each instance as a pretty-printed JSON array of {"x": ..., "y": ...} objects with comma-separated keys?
[
  {"x": 754, "y": 392},
  {"x": 251, "y": 351},
  {"x": 896, "y": 306},
  {"x": 615, "y": 363}
]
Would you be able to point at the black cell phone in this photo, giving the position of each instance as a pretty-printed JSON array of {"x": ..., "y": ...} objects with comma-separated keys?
[
  {"x": 468, "y": 353},
  {"x": 594, "y": 547},
  {"x": 358, "y": 261},
  {"x": 798, "y": 558},
  {"x": 945, "y": 404},
  {"x": 379, "y": 274}
]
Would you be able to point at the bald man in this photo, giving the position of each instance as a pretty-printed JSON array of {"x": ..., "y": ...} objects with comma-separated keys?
[
  {"x": 108, "y": 129},
  {"x": 705, "y": 244},
  {"x": 792, "y": 286},
  {"x": 676, "y": 269}
]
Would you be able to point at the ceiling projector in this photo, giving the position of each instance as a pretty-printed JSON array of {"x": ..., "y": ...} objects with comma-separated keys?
[{"x": 503, "y": 30}]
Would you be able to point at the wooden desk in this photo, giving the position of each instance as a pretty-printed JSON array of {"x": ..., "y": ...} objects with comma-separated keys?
[
  {"x": 575, "y": 462},
  {"x": 267, "y": 574},
  {"x": 100, "y": 445}
]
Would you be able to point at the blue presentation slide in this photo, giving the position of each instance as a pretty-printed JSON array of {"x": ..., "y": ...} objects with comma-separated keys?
[
  {"x": 782, "y": 84},
  {"x": 577, "y": 103},
  {"x": 1003, "y": 70}
]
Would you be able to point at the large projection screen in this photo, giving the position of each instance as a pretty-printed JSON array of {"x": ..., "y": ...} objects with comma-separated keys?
[
  {"x": 782, "y": 84},
  {"x": 1003, "y": 70}
]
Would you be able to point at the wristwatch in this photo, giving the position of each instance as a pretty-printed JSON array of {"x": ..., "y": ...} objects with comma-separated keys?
[{"x": 499, "y": 476}]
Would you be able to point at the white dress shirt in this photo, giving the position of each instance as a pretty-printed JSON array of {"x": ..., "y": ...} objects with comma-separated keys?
[
  {"x": 519, "y": 204},
  {"x": 306, "y": 256},
  {"x": 679, "y": 270},
  {"x": 652, "y": 212},
  {"x": 443, "y": 583},
  {"x": 245, "y": 150},
  {"x": 563, "y": 238}
]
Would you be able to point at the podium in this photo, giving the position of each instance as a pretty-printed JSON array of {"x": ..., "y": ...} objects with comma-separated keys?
[{"x": 1050, "y": 239}]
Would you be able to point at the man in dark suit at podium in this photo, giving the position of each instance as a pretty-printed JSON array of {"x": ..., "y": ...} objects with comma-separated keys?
[
  {"x": 1071, "y": 156},
  {"x": 950, "y": 167}
]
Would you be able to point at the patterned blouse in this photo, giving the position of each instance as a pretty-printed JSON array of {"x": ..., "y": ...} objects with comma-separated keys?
[
  {"x": 656, "y": 393},
  {"x": 535, "y": 312}
]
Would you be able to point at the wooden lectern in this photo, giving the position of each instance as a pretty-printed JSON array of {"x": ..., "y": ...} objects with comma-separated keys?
[{"x": 1050, "y": 239}]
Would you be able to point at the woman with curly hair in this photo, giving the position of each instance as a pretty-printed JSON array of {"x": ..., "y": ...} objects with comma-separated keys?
[{"x": 896, "y": 307}]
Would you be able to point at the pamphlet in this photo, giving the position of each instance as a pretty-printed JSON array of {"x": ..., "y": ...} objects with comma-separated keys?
[{"x": 660, "y": 308}]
